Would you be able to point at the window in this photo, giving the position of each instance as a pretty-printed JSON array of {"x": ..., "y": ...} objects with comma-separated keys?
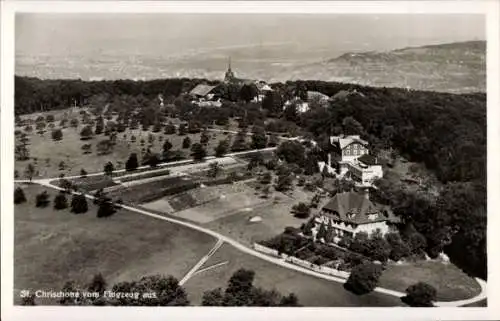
[
  {"x": 355, "y": 146},
  {"x": 347, "y": 152}
]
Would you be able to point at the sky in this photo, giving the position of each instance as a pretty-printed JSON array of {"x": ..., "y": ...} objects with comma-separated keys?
[{"x": 60, "y": 44}]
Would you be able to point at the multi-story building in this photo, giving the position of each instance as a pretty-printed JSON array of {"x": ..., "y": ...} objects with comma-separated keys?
[{"x": 349, "y": 213}]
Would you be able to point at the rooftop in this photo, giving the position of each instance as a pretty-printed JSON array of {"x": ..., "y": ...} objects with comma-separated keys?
[
  {"x": 344, "y": 141},
  {"x": 355, "y": 208},
  {"x": 201, "y": 90}
]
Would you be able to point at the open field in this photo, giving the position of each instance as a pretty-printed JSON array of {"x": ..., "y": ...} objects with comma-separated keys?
[
  {"x": 311, "y": 291},
  {"x": 450, "y": 282},
  {"x": 52, "y": 247},
  {"x": 49, "y": 153},
  {"x": 275, "y": 213}
]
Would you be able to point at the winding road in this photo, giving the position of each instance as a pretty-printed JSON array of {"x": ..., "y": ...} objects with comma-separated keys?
[{"x": 250, "y": 251}]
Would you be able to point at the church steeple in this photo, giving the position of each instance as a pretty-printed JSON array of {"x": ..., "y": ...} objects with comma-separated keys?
[{"x": 229, "y": 73}]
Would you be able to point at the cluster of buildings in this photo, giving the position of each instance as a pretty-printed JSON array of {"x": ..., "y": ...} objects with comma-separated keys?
[
  {"x": 207, "y": 95},
  {"x": 349, "y": 213}
]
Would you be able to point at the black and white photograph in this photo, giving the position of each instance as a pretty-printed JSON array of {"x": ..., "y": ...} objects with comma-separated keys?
[{"x": 233, "y": 159}]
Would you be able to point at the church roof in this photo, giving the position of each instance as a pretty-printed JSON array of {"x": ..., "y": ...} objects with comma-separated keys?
[{"x": 352, "y": 207}]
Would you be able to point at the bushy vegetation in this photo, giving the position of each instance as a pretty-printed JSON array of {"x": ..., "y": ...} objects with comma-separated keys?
[{"x": 240, "y": 291}]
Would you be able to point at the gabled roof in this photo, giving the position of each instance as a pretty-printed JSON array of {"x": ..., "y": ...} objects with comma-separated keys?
[
  {"x": 355, "y": 208},
  {"x": 344, "y": 141},
  {"x": 201, "y": 90}
]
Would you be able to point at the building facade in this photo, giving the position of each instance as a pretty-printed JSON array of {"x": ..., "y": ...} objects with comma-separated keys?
[{"x": 350, "y": 213}]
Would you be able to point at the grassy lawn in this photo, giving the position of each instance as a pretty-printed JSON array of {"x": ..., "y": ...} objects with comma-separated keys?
[
  {"x": 450, "y": 282},
  {"x": 311, "y": 291},
  {"x": 49, "y": 153},
  {"x": 275, "y": 213},
  {"x": 52, "y": 247}
]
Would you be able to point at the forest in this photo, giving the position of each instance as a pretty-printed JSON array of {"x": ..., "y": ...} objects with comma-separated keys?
[{"x": 446, "y": 132}]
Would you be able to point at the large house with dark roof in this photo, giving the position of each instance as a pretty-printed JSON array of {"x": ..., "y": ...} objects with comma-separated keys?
[
  {"x": 351, "y": 158},
  {"x": 349, "y": 213}
]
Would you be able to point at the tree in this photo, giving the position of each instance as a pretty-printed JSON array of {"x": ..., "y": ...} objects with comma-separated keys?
[
  {"x": 99, "y": 126},
  {"x": 60, "y": 201},
  {"x": 420, "y": 295},
  {"x": 157, "y": 127},
  {"x": 322, "y": 232},
  {"x": 198, "y": 152},
  {"x": 87, "y": 148},
  {"x": 182, "y": 129},
  {"x": 266, "y": 178},
  {"x": 273, "y": 103},
  {"x": 186, "y": 143},
  {"x": 152, "y": 160},
  {"x": 167, "y": 146},
  {"x": 79, "y": 204},
  {"x": 291, "y": 300},
  {"x": 42, "y": 199},
  {"x": 30, "y": 171},
  {"x": 57, "y": 134},
  {"x": 19, "y": 196},
  {"x": 86, "y": 133},
  {"x": 204, "y": 138},
  {"x": 62, "y": 165},
  {"x": 352, "y": 127},
  {"x": 259, "y": 138},
  {"x": 363, "y": 278},
  {"x": 212, "y": 298},
  {"x": 132, "y": 162},
  {"x": 301, "y": 210},
  {"x": 214, "y": 170},
  {"x": 98, "y": 284},
  {"x": 291, "y": 152},
  {"x": 169, "y": 129},
  {"x": 239, "y": 142},
  {"x": 106, "y": 207},
  {"x": 29, "y": 300},
  {"x": 221, "y": 148},
  {"x": 22, "y": 152},
  {"x": 248, "y": 92},
  {"x": 109, "y": 168},
  {"x": 284, "y": 182},
  {"x": 167, "y": 289},
  {"x": 83, "y": 173}
]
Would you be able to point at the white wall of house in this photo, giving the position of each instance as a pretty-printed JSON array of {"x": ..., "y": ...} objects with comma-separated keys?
[{"x": 342, "y": 228}]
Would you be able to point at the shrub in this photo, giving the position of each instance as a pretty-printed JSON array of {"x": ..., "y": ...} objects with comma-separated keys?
[
  {"x": 132, "y": 162},
  {"x": 186, "y": 143},
  {"x": 19, "y": 196},
  {"x": 420, "y": 295},
  {"x": 60, "y": 201},
  {"x": 79, "y": 204},
  {"x": 301, "y": 210},
  {"x": 363, "y": 278},
  {"x": 42, "y": 199}
]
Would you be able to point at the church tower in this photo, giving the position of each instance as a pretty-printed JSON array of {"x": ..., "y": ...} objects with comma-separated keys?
[{"x": 229, "y": 73}]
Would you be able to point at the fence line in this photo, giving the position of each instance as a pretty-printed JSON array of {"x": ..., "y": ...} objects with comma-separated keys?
[{"x": 299, "y": 262}]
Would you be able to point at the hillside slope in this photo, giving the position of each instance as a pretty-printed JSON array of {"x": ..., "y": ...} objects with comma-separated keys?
[{"x": 455, "y": 67}]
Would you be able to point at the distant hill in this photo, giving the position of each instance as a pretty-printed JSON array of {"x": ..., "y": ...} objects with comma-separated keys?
[{"x": 453, "y": 67}]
